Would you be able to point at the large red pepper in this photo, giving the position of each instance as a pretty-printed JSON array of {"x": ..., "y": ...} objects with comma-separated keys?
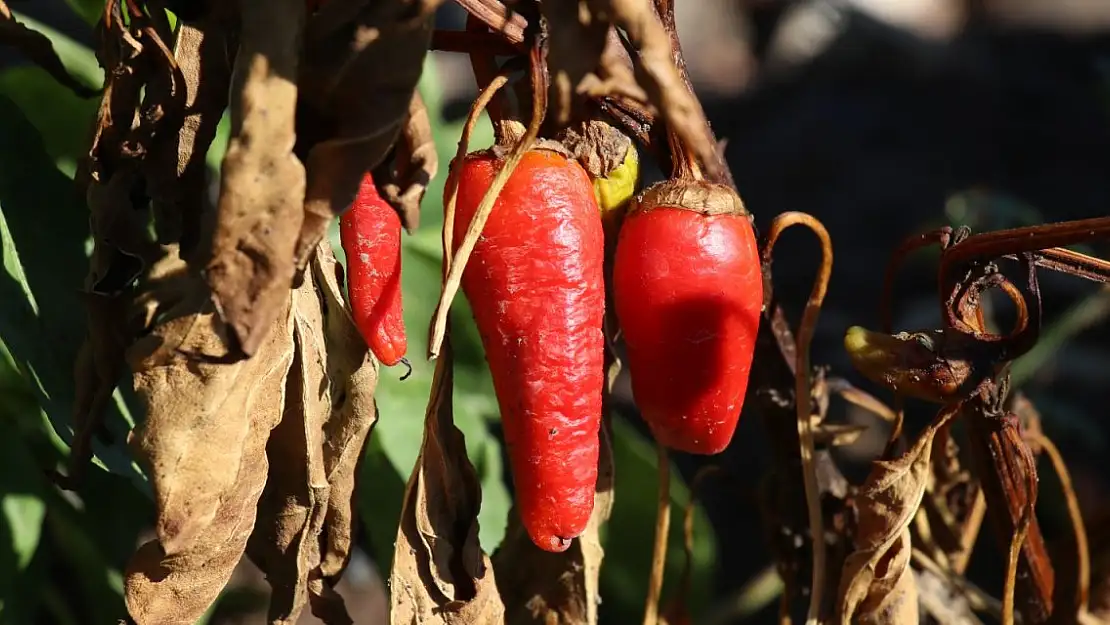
[
  {"x": 688, "y": 291},
  {"x": 370, "y": 232},
  {"x": 535, "y": 284}
]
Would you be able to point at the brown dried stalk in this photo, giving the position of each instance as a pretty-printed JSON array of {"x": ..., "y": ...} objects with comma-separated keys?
[
  {"x": 806, "y": 330},
  {"x": 455, "y": 266}
]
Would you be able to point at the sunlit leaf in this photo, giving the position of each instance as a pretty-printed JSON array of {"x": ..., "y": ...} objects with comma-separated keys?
[
  {"x": 43, "y": 228},
  {"x": 631, "y": 528}
]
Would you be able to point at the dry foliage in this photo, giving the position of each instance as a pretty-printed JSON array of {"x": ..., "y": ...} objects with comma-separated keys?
[
  {"x": 362, "y": 61},
  {"x": 440, "y": 574},
  {"x": 262, "y": 182},
  {"x": 585, "y": 60},
  {"x": 877, "y": 586},
  {"x": 258, "y": 391},
  {"x": 416, "y": 163}
]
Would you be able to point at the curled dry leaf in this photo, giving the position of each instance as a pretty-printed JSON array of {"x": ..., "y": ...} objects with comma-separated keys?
[
  {"x": 37, "y": 47},
  {"x": 581, "y": 63},
  {"x": 877, "y": 585},
  {"x": 598, "y": 146},
  {"x": 302, "y": 538},
  {"x": 440, "y": 574},
  {"x": 176, "y": 169},
  {"x": 262, "y": 182},
  {"x": 547, "y": 588},
  {"x": 414, "y": 165},
  {"x": 120, "y": 251},
  {"x": 203, "y": 444},
  {"x": 118, "y": 159},
  {"x": 359, "y": 72}
]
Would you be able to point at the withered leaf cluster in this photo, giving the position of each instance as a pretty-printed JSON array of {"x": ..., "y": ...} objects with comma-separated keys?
[
  {"x": 877, "y": 586},
  {"x": 258, "y": 391},
  {"x": 588, "y": 58}
]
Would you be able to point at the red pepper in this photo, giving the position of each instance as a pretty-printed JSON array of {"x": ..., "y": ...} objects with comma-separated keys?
[
  {"x": 688, "y": 291},
  {"x": 535, "y": 284},
  {"x": 370, "y": 232}
]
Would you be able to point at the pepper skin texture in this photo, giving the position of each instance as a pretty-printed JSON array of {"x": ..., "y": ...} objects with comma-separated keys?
[
  {"x": 688, "y": 291},
  {"x": 370, "y": 233},
  {"x": 535, "y": 285}
]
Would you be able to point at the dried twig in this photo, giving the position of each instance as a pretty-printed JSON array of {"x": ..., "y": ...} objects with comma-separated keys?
[
  {"x": 802, "y": 392},
  {"x": 452, "y": 190},
  {"x": 457, "y": 264},
  {"x": 1082, "y": 554},
  {"x": 662, "y": 532}
]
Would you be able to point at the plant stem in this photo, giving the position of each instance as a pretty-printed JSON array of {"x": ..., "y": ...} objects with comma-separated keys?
[
  {"x": 802, "y": 392},
  {"x": 662, "y": 532}
]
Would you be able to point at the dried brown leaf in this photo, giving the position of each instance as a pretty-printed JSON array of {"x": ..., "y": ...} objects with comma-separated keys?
[
  {"x": 598, "y": 146},
  {"x": 38, "y": 49},
  {"x": 547, "y": 588},
  {"x": 353, "y": 413},
  {"x": 302, "y": 538},
  {"x": 203, "y": 445},
  {"x": 953, "y": 506},
  {"x": 357, "y": 80},
  {"x": 877, "y": 584},
  {"x": 581, "y": 63},
  {"x": 440, "y": 574},
  {"x": 121, "y": 249},
  {"x": 176, "y": 168},
  {"x": 262, "y": 182},
  {"x": 414, "y": 166}
]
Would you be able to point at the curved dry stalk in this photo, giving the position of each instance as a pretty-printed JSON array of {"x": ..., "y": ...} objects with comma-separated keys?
[
  {"x": 486, "y": 70},
  {"x": 1082, "y": 555},
  {"x": 802, "y": 393},
  {"x": 968, "y": 302},
  {"x": 454, "y": 268},
  {"x": 662, "y": 531},
  {"x": 452, "y": 190},
  {"x": 1015, "y": 547},
  {"x": 941, "y": 236},
  {"x": 861, "y": 399}
]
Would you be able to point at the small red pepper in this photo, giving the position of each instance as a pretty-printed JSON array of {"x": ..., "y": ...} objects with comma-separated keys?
[
  {"x": 688, "y": 291},
  {"x": 370, "y": 232}
]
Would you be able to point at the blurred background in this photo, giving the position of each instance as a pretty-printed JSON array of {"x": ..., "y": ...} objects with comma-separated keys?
[{"x": 882, "y": 118}]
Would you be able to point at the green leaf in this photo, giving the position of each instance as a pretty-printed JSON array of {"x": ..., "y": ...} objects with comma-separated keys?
[
  {"x": 43, "y": 228},
  {"x": 63, "y": 119},
  {"x": 631, "y": 530},
  {"x": 77, "y": 58},
  {"x": 21, "y": 512},
  {"x": 89, "y": 10},
  {"x": 98, "y": 582}
]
